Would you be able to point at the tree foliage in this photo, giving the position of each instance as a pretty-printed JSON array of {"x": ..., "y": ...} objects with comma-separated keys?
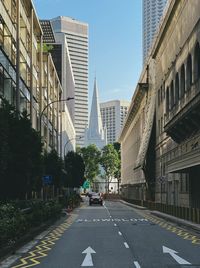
[
  {"x": 53, "y": 166},
  {"x": 91, "y": 157},
  {"x": 75, "y": 169},
  {"x": 110, "y": 162},
  {"x": 117, "y": 147},
  {"x": 20, "y": 154}
]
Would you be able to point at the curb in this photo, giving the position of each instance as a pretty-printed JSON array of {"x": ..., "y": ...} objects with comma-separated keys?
[
  {"x": 194, "y": 226},
  {"x": 180, "y": 222},
  {"x": 132, "y": 205}
]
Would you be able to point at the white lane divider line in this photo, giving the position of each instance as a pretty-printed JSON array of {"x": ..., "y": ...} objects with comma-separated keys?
[
  {"x": 119, "y": 233},
  {"x": 126, "y": 245},
  {"x": 137, "y": 264},
  {"x": 115, "y": 224},
  {"x": 108, "y": 211}
]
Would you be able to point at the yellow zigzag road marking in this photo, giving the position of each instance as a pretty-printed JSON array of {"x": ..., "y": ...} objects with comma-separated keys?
[
  {"x": 24, "y": 262},
  {"x": 45, "y": 245},
  {"x": 180, "y": 232}
]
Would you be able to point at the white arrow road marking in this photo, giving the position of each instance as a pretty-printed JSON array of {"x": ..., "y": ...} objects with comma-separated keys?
[
  {"x": 137, "y": 264},
  {"x": 88, "y": 258},
  {"x": 174, "y": 255}
]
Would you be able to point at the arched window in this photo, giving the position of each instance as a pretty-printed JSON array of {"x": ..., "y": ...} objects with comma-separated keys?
[
  {"x": 172, "y": 95},
  {"x": 182, "y": 91},
  {"x": 189, "y": 72},
  {"x": 177, "y": 88},
  {"x": 197, "y": 62},
  {"x": 167, "y": 100}
]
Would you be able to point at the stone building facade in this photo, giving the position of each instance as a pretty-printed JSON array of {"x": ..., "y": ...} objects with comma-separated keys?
[{"x": 170, "y": 144}]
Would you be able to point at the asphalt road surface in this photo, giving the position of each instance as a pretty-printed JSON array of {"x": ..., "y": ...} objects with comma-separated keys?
[{"x": 113, "y": 236}]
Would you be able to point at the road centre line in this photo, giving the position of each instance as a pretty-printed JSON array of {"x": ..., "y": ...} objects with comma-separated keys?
[
  {"x": 115, "y": 224},
  {"x": 108, "y": 211},
  {"x": 126, "y": 245},
  {"x": 119, "y": 233},
  {"x": 137, "y": 264}
]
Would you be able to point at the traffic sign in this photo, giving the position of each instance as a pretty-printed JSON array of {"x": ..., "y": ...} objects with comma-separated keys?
[
  {"x": 86, "y": 184},
  {"x": 47, "y": 179}
]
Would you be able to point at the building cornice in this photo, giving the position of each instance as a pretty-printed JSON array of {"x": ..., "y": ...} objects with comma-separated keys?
[{"x": 133, "y": 109}]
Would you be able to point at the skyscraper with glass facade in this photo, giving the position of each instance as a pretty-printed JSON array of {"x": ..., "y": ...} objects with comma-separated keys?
[{"x": 152, "y": 12}]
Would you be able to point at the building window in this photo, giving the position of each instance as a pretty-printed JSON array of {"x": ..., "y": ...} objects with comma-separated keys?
[
  {"x": 197, "y": 62},
  {"x": 161, "y": 94},
  {"x": 189, "y": 72},
  {"x": 1, "y": 81},
  {"x": 182, "y": 81},
  {"x": 167, "y": 100},
  {"x": 158, "y": 127},
  {"x": 158, "y": 97},
  {"x": 161, "y": 125},
  {"x": 177, "y": 88},
  {"x": 172, "y": 94},
  {"x": 184, "y": 183}
]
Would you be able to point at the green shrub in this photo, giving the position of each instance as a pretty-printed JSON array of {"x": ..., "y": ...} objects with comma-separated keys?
[{"x": 16, "y": 218}]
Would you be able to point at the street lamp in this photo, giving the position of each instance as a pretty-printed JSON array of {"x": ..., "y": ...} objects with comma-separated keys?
[
  {"x": 71, "y": 140},
  {"x": 40, "y": 118}
]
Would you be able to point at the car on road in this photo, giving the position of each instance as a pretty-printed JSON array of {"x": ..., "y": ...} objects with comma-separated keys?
[{"x": 95, "y": 198}]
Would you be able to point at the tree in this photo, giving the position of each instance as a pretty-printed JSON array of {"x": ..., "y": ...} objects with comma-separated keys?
[
  {"x": 91, "y": 157},
  {"x": 117, "y": 175},
  {"x": 75, "y": 169},
  {"x": 20, "y": 154},
  {"x": 53, "y": 166},
  {"x": 109, "y": 162}
]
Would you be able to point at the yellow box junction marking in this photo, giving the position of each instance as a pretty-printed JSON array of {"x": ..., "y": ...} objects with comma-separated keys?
[{"x": 45, "y": 245}]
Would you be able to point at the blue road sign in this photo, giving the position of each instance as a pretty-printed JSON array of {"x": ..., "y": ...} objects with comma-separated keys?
[{"x": 47, "y": 179}]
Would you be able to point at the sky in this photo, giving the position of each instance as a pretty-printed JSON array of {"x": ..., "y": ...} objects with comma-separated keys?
[{"x": 115, "y": 41}]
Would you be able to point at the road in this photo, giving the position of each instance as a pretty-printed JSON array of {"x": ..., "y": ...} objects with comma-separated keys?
[{"x": 113, "y": 236}]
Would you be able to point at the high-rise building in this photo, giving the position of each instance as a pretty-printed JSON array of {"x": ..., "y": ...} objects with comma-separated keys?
[
  {"x": 65, "y": 76},
  {"x": 113, "y": 114},
  {"x": 28, "y": 77},
  {"x": 152, "y": 12},
  {"x": 73, "y": 35}
]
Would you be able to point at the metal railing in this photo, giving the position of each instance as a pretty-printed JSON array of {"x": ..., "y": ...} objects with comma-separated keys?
[{"x": 186, "y": 213}]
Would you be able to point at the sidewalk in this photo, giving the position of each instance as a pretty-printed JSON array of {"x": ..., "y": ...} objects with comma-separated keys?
[{"x": 178, "y": 221}]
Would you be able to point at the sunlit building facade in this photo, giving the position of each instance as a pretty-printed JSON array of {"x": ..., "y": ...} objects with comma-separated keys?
[
  {"x": 73, "y": 36},
  {"x": 160, "y": 141},
  {"x": 113, "y": 114},
  {"x": 28, "y": 77}
]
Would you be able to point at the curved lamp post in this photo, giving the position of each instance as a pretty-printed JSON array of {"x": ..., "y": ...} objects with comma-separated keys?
[
  {"x": 69, "y": 141},
  {"x": 42, "y": 113}
]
